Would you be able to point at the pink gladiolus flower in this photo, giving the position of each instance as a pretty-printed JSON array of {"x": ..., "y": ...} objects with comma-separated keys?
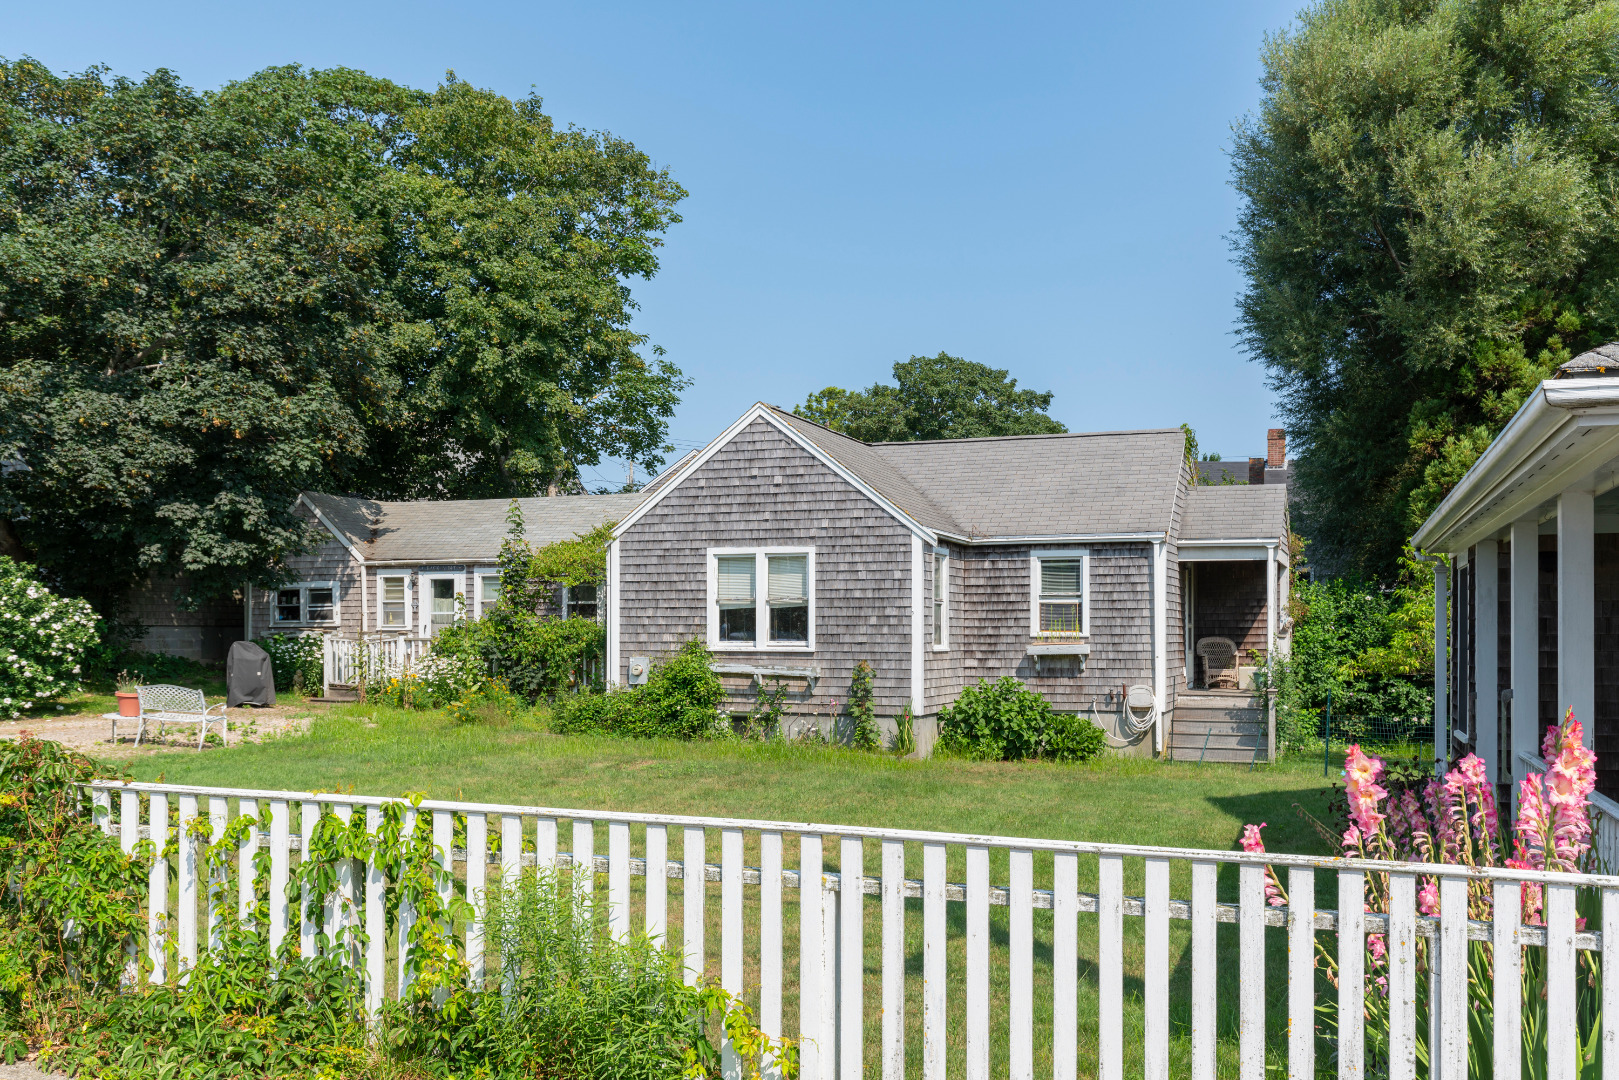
[
  {"x": 1428, "y": 898},
  {"x": 1377, "y": 947},
  {"x": 1251, "y": 840}
]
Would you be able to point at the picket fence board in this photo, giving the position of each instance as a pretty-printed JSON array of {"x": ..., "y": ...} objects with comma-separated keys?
[
  {"x": 1110, "y": 967},
  {"x": 977, "y": 968},
  {"x": 1402, "y": 946},
  {"x": 1507, "y": 958},
  {"x": 770, "y": 918},
  {"x": 934, "y": 1021},
  {"x": 218, "y": 815},
  {"x": 1351, "y": 974},
  {"x": 1155, "y": 1050},
  {"x": 893, "y": 960},
  {"x": 1205, "y": 881},
  {"x": 1300, "y": 975}
]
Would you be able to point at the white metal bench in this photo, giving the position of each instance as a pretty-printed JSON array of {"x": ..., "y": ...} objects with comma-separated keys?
[{"x": 165, "y": 705}]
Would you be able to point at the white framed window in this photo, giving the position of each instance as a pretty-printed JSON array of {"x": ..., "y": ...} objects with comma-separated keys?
[
  {"x": 306, "y": 603},
  {"x": 486, "y": 593},
  {"x": 1059, "y": 589},
  {"x": 441, "y": 602},
  {"x": 941, "y": 600},
  {"x": 761, "y": 598},
  {"x": 579, "y": 601},
  {"x": 393, "y": 602}
]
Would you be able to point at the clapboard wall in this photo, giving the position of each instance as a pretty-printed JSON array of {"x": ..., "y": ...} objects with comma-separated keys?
[{"x": 762, "y": 490}]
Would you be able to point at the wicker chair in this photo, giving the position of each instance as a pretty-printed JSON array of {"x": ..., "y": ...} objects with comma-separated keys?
[{"x": 1219, "y": 656}]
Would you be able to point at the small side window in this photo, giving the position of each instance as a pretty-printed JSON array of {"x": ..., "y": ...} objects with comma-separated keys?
[
  {"x": 393, "y": 602},
  {"x": 289, "y": 605}
]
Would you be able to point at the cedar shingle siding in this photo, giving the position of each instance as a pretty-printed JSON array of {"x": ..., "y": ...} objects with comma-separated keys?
[{"x": 862, "y": 565}]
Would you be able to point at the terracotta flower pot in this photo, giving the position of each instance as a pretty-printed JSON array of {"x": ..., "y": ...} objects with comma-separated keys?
[{"x": 128, "y": 704}]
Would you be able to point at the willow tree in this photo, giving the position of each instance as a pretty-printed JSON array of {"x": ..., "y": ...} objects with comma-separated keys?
[{"x": 1430, "y": 225}]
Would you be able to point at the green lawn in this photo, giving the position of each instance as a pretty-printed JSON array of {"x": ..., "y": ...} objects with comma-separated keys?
[{"x": 382, "y": 751}]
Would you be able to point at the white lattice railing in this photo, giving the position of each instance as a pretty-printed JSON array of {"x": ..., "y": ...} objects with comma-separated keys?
[
  {"x": 850, "y": 994},
  {"x": 346, "y": 661}
]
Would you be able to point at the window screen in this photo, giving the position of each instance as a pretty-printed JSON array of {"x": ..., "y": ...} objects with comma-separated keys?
[
  {"x": 735, "y": 594},
  {"x": 789, "y": 597},
  {"x": 318, "y": 607},
  {"x": 393, "y": 602},
  {"x": 1061, "y": 596}
]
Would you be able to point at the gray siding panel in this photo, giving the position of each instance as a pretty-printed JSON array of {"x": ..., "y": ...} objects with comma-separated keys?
[{"x": 763, "y": 490}]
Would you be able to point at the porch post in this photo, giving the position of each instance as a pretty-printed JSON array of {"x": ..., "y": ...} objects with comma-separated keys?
[
  {"x": 1270, "y": 601},
  {"x": 1441, "y": 666},
  {"x": 1486, "y": 653},
  {"x": 1576, "y": 608},
  {"x": 1525, "y": 642}
]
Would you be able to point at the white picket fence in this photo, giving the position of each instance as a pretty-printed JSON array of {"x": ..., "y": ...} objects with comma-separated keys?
[
  {"x": 831, "y": 958},
  {"x": 346, "y": 661}
]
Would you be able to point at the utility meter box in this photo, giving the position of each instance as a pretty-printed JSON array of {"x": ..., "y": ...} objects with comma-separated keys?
[{"x": 639, "y": 666}]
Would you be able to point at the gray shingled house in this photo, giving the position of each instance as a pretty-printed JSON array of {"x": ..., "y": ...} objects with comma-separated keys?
[{"x": 1089, "y": 566}]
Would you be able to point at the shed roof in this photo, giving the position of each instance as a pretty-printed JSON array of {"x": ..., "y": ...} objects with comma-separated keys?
[
  {"x": 461, "y": 530},
  {"x": 1235, "y": 512}
]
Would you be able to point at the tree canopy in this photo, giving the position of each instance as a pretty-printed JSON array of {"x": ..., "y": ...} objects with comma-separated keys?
[
  {"x": 936, "y": 397},
  {"x": 307, "y": 279},
  {"x": 1429, "y": 228}
]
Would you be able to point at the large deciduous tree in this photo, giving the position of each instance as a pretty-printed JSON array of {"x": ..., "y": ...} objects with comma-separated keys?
[
  {"x": 307, "y": 279},
  {"x": 1431, "y": 225},
  {"x": 935, "y": 397}
]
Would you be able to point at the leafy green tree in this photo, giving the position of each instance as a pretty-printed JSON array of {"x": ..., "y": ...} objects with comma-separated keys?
[
  {"x": 1429, "y": 228},
  {"x": 936, "y": 397},
  {"x": 307, "y": 279}
]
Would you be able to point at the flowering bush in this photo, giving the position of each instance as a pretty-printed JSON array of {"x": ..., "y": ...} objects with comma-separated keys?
[
  {"x": 438, "y": 679},
  {"x": 296, "y": 661},
  {"x": 1456, "y": 821},
  {"x": 43, "y": 638}
]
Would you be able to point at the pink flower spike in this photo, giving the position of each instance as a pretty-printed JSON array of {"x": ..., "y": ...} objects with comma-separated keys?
[{"x": 1251, "y": 840}]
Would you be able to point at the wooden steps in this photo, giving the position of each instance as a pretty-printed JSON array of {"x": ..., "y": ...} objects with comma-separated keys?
[{"x": 1218, "y": 725}]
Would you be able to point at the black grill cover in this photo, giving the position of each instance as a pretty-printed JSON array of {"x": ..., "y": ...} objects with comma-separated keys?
[{"x": 249, "y": 677}]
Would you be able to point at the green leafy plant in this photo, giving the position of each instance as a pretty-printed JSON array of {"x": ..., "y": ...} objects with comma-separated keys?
[
  {"x": 904, "y": 733},
  {"x": 1006, "y": 721},
  {"x": 863, "y": 733},
  {"x": 679, "y": 700},
  {"x": 43, "y": 639},
  {"x": 296, "y": 661},
  {"x": 127, "y": 683},
  {"x": 769, "y": 707}
]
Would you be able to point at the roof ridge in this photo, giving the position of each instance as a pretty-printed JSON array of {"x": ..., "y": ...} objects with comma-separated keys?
[{"x": 978, "y": 438}]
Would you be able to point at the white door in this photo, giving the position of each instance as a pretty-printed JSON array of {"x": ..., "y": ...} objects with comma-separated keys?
[{"x": 439, "y": 603}]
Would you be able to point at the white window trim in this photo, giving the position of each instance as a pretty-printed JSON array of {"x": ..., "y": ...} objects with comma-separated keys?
[
  {"x": 424, "y": 611},
  {"x": 303, "y": 588},
  {"x": 943, "y": 642},
  {"x": 475, "y": 603},
  {"x": 761, "y": 599},
  {"x": 1084, "y": 557},
  {"x": 404, "y": 629}
]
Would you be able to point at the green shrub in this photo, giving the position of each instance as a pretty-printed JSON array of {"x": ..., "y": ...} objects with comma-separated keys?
[
  {"x": 680, "y": 700},
  {"x": 43, "y": 639},
  {"x": 1006, "y": 721},
  {"x": 296, "y": 661},
  {"x": 536, "y": 656},
  {"x": 862, "y": 714}
]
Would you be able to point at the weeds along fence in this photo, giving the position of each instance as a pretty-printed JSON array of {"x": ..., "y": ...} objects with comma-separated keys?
[{"x": 907, "y": 953}]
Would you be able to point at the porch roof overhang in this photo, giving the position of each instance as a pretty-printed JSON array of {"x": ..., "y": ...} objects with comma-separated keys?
[
  {"x": 1239, "y": 549},
  {"x": 1566, "y": 436}
]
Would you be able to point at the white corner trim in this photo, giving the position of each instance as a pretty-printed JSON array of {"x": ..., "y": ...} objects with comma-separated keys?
[
  {"x": 762, "y": 411},
  {"x": 918, "y": 626},
  {"x": 613, "y": 614},
  {"x": 1160, "y": 646},
  {"x": 341, "y": 539}
]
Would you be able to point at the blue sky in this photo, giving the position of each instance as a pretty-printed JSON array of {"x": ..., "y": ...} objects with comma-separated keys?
[{"x": 1039, "y": 188}]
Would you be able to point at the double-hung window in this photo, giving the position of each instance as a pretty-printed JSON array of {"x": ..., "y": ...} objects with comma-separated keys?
[
  {"x": 393, "y": 602},
  {"x": 309, "y": 603},
  {"x": 1058, "y": 582},
  {"x": 487, "y": 593},
  {"x": 941, "y": 600},
  {"x": 579, "y": 601},
  {"x": 761, "y": 599}
]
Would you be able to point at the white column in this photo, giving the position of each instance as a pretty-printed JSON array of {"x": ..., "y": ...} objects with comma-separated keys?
[
  {"x": 1486, "y": 653},
  {"x": 610, "y": 676},
  {"x": 918, "y": 637},
  {"x": 1576, "y": 608},
  {"x": 1270, "y": 600},
  {"x": 1160, "y": 627},
  {"x": 1441, "y": 666},
  {"x": 1525, "y": 642}
]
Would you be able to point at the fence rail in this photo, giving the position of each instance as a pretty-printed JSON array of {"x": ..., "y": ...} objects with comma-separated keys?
[{"x": 955, "y": 934}]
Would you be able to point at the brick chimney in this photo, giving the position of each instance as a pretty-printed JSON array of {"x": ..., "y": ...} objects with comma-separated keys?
[
  {"x": 1276, "y": 449},
  {"x": 1256, "y": 470}
]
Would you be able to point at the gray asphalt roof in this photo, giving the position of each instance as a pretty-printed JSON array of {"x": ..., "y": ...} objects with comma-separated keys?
[
  {"x": 463, "y": 530},
  {"x": 1235, "y": 512},
  {"x": 1025, "y": 485}
]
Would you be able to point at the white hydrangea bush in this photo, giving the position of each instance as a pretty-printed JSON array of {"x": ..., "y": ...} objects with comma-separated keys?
[{"x": 43, "y": 639}]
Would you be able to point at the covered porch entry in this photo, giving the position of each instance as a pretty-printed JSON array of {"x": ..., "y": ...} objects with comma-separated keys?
[{"x": 1526, "y": 599}]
